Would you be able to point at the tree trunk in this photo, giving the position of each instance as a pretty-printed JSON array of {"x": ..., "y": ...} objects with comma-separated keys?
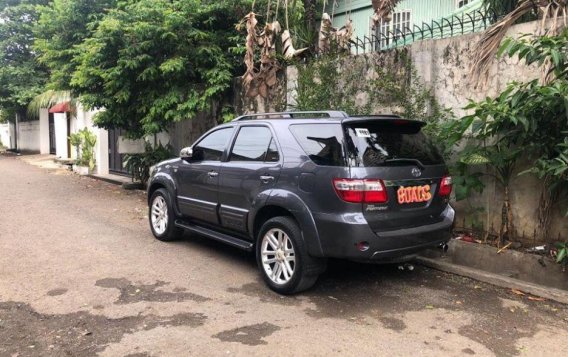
[
  {"x": 547, "y": 197},
  {"x": 310, "y": 12},
  {"x": 507, "y": 227}
]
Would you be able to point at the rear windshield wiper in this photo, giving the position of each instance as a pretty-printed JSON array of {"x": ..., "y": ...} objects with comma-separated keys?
[{"x": 414, "y": 161}]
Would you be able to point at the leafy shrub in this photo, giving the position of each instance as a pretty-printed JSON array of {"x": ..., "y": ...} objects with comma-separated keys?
[
  {"x": 139, "y": 164},
  {"x": 84, "y": 142}
]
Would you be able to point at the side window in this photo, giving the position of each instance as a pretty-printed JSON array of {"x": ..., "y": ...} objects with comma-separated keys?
[
  {"x": 323, "y": 143},
  {"x": 212, "y": 146},
  {"x": 254, "y": 143}
]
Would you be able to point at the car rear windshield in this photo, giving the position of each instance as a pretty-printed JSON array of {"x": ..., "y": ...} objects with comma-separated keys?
[
  {"x": 389, "y": 143},
  {"x": 323, "y": 143}
]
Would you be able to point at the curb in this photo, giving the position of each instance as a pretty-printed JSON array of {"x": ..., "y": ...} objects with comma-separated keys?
[
  {"x": 127, "y": 185},
  {"x": 498, "y": 280},
  {"x": 105, "y": 179}
]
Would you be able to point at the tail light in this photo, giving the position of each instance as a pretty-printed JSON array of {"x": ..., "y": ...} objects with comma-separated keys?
[
  {"x": 360, "y": 191},
  {"x": 446, "y": 186}
]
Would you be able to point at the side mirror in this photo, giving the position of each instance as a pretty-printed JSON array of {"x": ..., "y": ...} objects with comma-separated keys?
[{"x": 186, "y": 153}]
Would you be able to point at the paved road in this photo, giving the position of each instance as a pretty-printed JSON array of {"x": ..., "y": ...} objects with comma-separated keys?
[{"x": 80, "y": 274}]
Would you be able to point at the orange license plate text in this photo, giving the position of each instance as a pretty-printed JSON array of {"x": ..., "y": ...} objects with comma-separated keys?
[{"x": 414, "y": 194}]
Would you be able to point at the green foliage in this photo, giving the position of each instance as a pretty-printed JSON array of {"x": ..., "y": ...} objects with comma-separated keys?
[
  {"x": 531, "y": 117},
  {"x": 343, "y": 83},
  {"x": 527, "y": 120},
  {"x": 322, "y": 85},
  {"x": 153, "y": 62},
  {"x": 562, "y": 255},
  {"x": 227, "y": 114},
  {"x": 62, "y": 26},
  {"x": 21, "y": 77},
  {"x": 542, "y": 51},
  {"x": 75, "y": 140},
  {"x": 84, "y": 142},
  {"x": 139, "y": 164}
]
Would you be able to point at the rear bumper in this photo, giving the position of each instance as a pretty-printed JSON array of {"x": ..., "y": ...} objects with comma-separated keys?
[{"x": 340, "y": 234}]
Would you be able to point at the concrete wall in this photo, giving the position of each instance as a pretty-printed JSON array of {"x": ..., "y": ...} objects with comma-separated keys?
[
  {"x": 5, "y": 137},
  {"x": 28, "y": 136},
  {"x": 43, "y": 129},
  {"x": 445, "y": 64},
  {"x": 186, "y": 132}
]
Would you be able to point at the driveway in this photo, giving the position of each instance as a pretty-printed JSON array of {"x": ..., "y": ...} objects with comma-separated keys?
[{"x": 81, "y": 274}]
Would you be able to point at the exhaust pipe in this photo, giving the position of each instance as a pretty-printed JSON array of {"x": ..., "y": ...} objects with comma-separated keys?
[{"x": 444, "y": 247}]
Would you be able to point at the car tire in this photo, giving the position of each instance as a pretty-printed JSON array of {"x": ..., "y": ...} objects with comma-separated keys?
[
  {"x": 161, "y": 217},
  {"x": 280, "y": 250}
]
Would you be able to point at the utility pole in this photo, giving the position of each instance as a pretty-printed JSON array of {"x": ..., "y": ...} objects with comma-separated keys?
[{"x": 16, "y": 132}]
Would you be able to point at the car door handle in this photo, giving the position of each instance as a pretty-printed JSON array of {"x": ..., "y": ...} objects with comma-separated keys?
[
  {"x": 213, "y": 173},
  {"x": 266, "y": 178}
]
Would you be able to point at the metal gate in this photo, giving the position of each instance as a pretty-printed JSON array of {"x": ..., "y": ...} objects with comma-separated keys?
[
  {"x": 51, "y": 134},
  {"x": 115, "y": 159}
]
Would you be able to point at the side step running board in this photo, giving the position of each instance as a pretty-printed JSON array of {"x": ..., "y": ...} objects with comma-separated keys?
[{"x": 221, "y": 237}]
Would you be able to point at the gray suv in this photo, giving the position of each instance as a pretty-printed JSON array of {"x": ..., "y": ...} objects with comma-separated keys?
[{"x": 300, "y": 187}]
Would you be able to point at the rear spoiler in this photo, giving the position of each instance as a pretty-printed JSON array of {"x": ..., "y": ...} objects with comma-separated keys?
[{"x": 394, "y": 119}]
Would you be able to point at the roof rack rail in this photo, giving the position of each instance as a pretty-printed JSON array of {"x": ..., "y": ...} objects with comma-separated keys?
[
  {"x": 377, "y": 116},
  {"x": 293, "y": 115}
]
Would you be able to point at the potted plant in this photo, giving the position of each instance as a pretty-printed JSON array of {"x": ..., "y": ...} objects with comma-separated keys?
[{"x": 84, "y": 142}]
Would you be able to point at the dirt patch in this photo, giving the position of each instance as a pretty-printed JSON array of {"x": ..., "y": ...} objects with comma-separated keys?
[
  {"x": 468, "y": 351},
  {"x": 393, "y": 323},
  {"x": 251, "y": 335},
  {"x": 56, "y": 292},
  {"x": 131, "y": 293},
  {"x": 25, "y": 332},
  {"x": 350, "y": 290},
  {"x": 140, "y": 354}
]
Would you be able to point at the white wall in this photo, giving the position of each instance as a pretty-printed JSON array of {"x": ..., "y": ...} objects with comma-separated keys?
[
  {"x": 43, "y": 131},
  {"x": 28, "y": 138},
  {"x": 60, "y": 122},
  {"x": 5, "y": 137}
]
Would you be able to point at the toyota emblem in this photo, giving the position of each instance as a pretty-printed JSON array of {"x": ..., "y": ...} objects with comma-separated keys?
[{"x": 416, "y": 172}]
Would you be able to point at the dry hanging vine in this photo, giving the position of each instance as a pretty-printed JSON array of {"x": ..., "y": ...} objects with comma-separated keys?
[
  {"x": 259, "y": 81},
  {"x": 487, "y": 47}
]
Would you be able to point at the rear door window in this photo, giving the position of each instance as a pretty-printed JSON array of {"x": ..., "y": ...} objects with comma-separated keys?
[
  {"x": 254, "y": 143},
  {"x": 323, "y": 143},
  {"x": 390, "y": 143}
]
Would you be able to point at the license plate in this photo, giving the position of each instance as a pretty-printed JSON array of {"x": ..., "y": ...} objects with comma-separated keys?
[{"x": 413, "y": 194}]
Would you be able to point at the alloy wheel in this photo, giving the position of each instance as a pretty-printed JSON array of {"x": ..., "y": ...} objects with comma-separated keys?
[
  {"x": 159, "y": 215},
  {"x": 278, "y": 256}
]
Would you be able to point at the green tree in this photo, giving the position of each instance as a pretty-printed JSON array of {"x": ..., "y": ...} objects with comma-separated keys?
[
  {"x": 149, "y": 63},
  {"x": 21, "y": 77},
  {"x": 62, "y": 26},
  {"x": 528, "y": 121}
]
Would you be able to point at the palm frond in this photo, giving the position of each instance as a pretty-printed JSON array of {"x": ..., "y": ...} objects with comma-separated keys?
[
  {"x": 48, "y": 99},
  {"x": 487, "y": 47}
]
